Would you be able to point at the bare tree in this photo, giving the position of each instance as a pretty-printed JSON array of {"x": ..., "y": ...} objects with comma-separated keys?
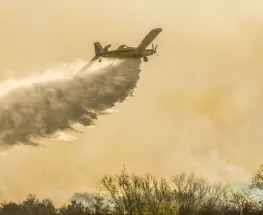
[
  {"x": 194, "y": 194},
  {"x": 133, "y": 194},
  {"x": 242, "y": 203},
  {"x": 214, "y": 202},
  {"x": 189, "y": 192}
]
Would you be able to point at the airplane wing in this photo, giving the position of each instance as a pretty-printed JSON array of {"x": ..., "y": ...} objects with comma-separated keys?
[{"x": 148, "y": 39}]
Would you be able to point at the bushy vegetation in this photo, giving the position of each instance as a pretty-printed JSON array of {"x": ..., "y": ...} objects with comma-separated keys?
[{"x": 130, "y": 194}]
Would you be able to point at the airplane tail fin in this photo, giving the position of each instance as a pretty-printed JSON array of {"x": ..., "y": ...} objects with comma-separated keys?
[{"x": 98, "y": 48}]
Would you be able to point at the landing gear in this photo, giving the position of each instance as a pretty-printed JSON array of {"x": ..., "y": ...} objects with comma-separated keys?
[{"x": 145, "y": 59}]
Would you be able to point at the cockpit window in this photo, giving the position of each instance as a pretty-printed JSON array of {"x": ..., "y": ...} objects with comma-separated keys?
[{"x": 122, "y": 47}]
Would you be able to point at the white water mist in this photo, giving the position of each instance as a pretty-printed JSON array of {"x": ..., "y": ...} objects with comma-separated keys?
[{"x": 42, "y": 105}]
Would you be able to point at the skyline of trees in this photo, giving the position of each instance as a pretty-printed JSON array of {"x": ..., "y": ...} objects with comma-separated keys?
[{"x": 133, "y": 194}]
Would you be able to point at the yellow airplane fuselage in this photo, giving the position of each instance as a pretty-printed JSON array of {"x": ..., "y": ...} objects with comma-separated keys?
[{"x": 126, "y": 53}]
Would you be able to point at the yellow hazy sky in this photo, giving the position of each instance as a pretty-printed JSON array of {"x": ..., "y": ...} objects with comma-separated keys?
[{"x": 198, "y": 106}]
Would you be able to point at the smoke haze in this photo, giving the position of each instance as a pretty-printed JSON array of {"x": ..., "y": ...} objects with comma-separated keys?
[{"x": 198, "y": 106}]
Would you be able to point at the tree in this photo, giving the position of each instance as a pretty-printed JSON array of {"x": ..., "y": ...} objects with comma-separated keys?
[
  {"x": 12, "y": 208},
  {"x": 242, "y": 203},
  {"x": 257, "y": 179},
  {"x": 74, "y": 208},
  {"x": 194, "y": 195},
  {"x": 215, "y": 200},
  {"x": 31, "y": 205},
  {"x": 34, "y": 206},
  {"x": 94, "y": 201},
  {"x": 140, "y": 195}
]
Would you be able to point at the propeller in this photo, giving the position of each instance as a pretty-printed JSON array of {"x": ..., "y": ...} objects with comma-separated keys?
[{"x": 154, "y": 49}]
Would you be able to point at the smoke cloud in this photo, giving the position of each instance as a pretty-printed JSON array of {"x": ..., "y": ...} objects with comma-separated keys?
[
  {"x": 198, "y": 107},
  {"x": 63, "y": 97}
]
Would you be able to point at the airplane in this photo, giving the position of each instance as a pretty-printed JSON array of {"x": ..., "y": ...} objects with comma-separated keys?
[{"x": 124, "y": 51}]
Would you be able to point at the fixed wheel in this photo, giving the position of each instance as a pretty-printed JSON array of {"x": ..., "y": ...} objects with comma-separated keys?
[{"x": 145, "y": 59}]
